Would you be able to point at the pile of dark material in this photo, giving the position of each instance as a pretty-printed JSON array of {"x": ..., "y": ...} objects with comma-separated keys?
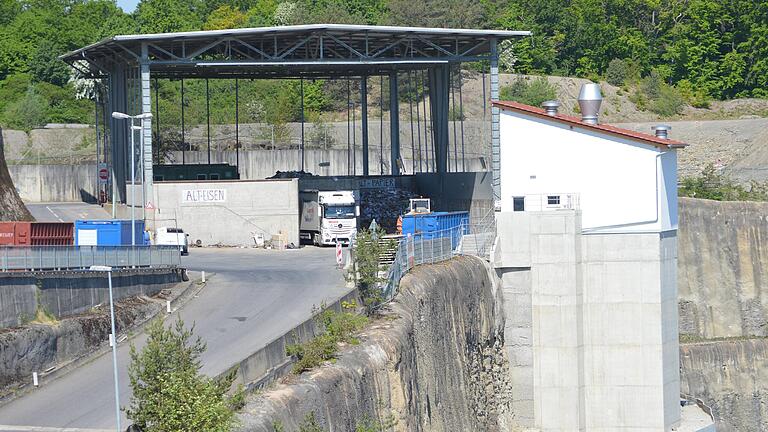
[
  {"x": 291, "y": 174},
  {"x": 384, "y": 205}
]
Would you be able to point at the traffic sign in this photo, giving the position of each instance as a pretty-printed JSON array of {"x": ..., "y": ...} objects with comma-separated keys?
[
  {"x": 339, "y": 256},
  {"x": 103, "y": 174}
]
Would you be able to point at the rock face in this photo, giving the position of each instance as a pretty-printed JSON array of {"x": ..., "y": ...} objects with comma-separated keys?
[
  {"x": 723, "y": 293},
  {"x": 732, "y": 378},
  {"x": 723, "y": 268},
  {"x": 37, "y": 347},
  {"x": 11, "y": 206},
  {"x": 433, "y": 362}
]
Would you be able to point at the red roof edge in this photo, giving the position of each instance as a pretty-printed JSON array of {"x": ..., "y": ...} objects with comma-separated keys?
[{"x": 575, "y": 121}]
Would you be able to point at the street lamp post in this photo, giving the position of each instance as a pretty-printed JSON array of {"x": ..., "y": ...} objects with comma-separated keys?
[
  {"x": 113, "y": 339},
  {"x": 140, "y": 117}
]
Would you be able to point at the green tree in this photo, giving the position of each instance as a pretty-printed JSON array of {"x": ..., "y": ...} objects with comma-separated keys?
[
  {"x": 164, "y": 16},
  {"x": 169, "y": 393},
  {"x": 27, "y": 112},
  {"x": 225, "y": 17}
]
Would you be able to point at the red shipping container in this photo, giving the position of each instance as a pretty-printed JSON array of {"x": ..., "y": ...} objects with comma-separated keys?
[
  {"x": 52, "y": 234},
  {"x": 36, "y": 233},
  {"x": 14, "y": 233}
]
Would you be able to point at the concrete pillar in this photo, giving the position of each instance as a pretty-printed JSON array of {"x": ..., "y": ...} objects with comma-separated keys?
[
  {"x": 495, "y": 114},
  {"x": 146, "y": 124},
  {"x": 439, "y": 90},
  {"x": 394, "y": 123},
  {"x": 364, "y": 120}
]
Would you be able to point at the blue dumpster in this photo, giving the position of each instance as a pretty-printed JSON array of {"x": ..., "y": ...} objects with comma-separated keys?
[{"x": 436, "y": 225}]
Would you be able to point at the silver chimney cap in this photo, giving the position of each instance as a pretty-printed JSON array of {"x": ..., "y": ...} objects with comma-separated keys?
[
  {"x": 551, "y": 107},
  {"x": 662, "y": 131},
  {"x": 590, "y": 99}
]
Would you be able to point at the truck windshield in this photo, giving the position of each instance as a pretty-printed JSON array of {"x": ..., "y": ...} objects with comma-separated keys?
[{"x": 339, "y": 212}]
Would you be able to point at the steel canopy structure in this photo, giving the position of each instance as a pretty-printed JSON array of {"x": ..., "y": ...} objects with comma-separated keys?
[{"x": 128, "y": 63}]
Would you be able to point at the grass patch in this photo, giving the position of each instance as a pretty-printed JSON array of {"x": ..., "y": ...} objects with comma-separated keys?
[{"x": 335, "y": 328}]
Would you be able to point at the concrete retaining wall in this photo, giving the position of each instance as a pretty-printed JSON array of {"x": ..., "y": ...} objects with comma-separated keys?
[
  {"x": 260, "y": 164},
  {"x": 55, "y": 183},
  {"x": 434, "y": 362},
  {"x": 70, "y": 293}
]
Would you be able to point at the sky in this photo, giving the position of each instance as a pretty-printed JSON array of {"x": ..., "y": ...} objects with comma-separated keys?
[{"x": 128, "y": 5}]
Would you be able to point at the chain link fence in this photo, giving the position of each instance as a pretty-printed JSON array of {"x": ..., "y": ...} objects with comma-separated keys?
[
  {"x": 428, "y": 248},
  {"x": 36, "y": 258}
]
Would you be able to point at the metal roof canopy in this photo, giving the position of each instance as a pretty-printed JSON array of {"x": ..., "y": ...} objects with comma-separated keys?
[
  {"x": 317, "y": 50},
  {"x": 128, "y": 63}
]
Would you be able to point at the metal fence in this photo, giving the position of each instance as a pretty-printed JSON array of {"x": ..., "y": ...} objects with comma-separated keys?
[
  {"x": 34, "y": 258},
  {"x": 467, "y": 239}
]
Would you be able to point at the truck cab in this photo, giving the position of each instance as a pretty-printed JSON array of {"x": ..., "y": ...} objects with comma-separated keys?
[
  {"x": 328, "y": 217},
  {"x": 172, "y": 236}
]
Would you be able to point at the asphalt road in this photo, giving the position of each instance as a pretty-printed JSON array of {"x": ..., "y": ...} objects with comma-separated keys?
[
  {"x": 254, "y": 297},
  {"x": 66, "y": 212}
]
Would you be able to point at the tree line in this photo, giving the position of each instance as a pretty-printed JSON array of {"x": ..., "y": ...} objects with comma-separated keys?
[{"x": 706, "y": 48}]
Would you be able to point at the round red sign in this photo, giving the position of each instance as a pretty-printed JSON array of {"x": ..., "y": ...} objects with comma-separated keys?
[{"x": 103, "y": 174}]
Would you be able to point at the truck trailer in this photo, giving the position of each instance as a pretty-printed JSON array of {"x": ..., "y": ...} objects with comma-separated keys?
[{"x": 327, "y": 216}]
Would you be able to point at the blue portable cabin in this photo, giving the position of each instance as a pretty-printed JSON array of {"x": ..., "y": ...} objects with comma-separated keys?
[
  {"x": 107, "y": 232},
  {"x": 436, "y": 225}
]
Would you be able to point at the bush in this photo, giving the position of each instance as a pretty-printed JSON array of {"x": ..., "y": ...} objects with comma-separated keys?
[
  {"x": 530, "y": 92},
  {"x": 669, "y": 102},
  {"x": 715, "y": 186},
  {"x": 335, "y": 328},
  {"x": 617, "y": 72},
  {"x": 169, "y": 392}
]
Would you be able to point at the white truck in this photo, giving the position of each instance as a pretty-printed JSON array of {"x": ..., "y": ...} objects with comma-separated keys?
[
  {"x": 172, "y": 236},
  {"x": 327, "y": 216}
]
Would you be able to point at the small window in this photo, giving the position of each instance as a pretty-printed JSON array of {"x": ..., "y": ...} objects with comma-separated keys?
[
  {"x": 518, "y": 204},
  {"x": 553, "y": 199},
  {"x": 214, "y": 176},
  {"x": 202, "y": 177}
]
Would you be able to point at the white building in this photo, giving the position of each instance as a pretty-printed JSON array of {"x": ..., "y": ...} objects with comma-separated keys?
[
  {"x": 624, "y": 181},
  {"x": 587, "y": 257}
]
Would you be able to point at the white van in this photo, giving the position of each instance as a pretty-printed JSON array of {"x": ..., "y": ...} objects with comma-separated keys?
[{"x": 173, "y": 237}]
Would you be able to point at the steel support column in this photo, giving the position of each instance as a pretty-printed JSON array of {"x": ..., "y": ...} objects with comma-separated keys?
[
  {"x": 146, "y": 129},
  {"x": 118, "y": 133},
  {"x": 394, "y": 124},
  {"x": 495, "y": 115},
  {"x": 364, "y": 120},
  {"x": 439, "y": 78}
]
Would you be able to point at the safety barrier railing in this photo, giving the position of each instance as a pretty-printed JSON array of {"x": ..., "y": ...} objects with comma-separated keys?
[
  {"x": 436, "y": 246},
  {"x": 37, "y": 258}
]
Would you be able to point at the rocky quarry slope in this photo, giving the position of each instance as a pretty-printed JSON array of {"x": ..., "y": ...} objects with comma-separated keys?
[
  {"x": 723, "y": 303},
  {"x": 432, "y": 362}
]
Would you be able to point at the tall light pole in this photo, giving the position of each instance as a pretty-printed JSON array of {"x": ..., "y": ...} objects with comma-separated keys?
[
  {"x": 113, "y": 339},
  {"x": 140, "y": 117}
]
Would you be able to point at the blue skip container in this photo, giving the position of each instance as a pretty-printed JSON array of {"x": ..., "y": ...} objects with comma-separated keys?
[
  {"x": 108, "y": 232},
  {"x": 436, "y": 225}
]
